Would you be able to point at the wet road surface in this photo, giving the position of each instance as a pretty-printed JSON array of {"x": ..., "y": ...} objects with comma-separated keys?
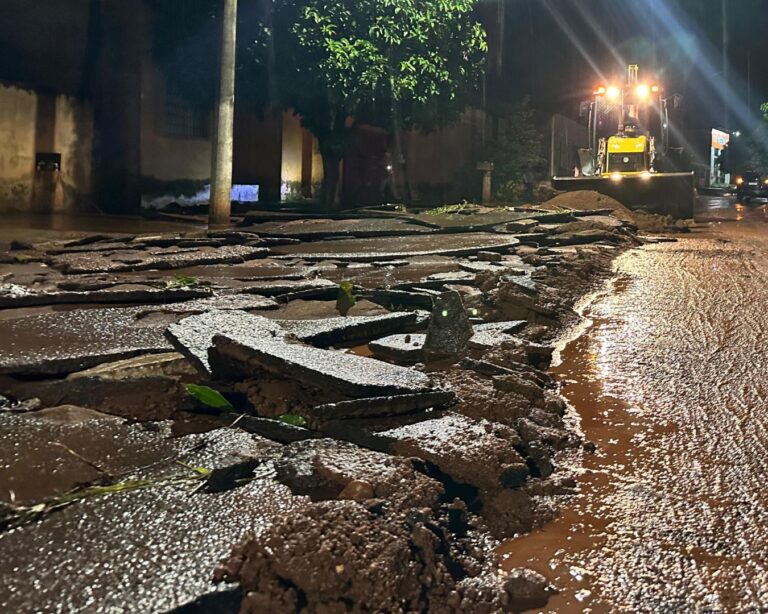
[{"x": 671, "y": 382}]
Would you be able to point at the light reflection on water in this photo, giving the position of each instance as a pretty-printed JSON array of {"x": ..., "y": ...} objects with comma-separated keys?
[{"x": 669, "y": 383}]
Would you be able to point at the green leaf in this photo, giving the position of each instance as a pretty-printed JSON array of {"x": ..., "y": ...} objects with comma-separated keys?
[
  {"x": 345, "y": 300},
  {"x": 293, "y": 419},
  {"x": 208, "y": 396},
  {"x": 185, "y": 281}
]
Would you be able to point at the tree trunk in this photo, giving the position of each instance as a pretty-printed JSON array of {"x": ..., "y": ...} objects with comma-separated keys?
[
  {"x": 331, "y": 174},
  {"x": 223, "y": 138}
]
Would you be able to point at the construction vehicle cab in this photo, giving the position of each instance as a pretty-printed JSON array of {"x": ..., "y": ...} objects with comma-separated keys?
[{"x": 623, "y": 160}]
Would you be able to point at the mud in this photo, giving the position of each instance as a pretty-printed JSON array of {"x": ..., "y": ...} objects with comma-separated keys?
[
  {"x": 321, "y": 560},
  {"x": 667, "y": 385},
  {"x": 370, "y": 468}
]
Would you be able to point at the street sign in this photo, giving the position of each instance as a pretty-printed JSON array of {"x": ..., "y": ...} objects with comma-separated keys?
[{"x": 720, "y": 139}]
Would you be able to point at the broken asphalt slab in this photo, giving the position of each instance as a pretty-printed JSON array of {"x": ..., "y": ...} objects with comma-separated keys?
[
  {"x": 331, "y": 469},
  {"x": 351, "y": 375},
  {"x": 280, "y": 287},
  {"x": 474, "y": 452},
  {"x": 62, "y": 342},
  {"x": 139, "y": 260},
  {"x": 227, "y": 302},
  {"x": 308, "y": 229},
  {"x": 193, "y": 336},
  {"x": 374, "y": 407},
  {"x": 398, "y": 248},
  {"x": 409, "y": 348},
  {"x": 114, "y": 553},
  {"x": 348, "y": 330},
  {"x": 114, "y": 294}
]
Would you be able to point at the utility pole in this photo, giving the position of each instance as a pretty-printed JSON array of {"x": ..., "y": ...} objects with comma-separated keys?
[
  {"x": 223, "y": 137},
  {"x": 726, "y": 80}
]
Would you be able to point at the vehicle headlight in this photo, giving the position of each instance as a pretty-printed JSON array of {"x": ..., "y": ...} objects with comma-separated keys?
[
  {"x": 739, "y": 180},
  {"x": 616, "y": 177}
]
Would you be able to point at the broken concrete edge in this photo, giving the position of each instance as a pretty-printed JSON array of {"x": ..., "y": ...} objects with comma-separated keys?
[
  {"x": 372, "y": 257},
  {"x": 348, "y": 330},
  {"x": 375, "y": 407},
  {"x": 270, "y": 428},
  {"x": 100, "y": 296},
  {"x": 57, "y": 367},
  {"x": 349, "y": 374}
]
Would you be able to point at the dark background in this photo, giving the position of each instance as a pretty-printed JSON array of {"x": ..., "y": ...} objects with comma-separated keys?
[{"x": 555, "y": 51}]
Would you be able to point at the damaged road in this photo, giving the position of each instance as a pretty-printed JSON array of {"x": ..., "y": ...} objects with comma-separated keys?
[{"x": 292, "y": 414}]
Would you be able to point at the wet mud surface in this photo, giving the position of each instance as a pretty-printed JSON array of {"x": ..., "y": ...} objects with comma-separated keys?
[
  {"x": 275, "y": 445},
  {"x": 669, "y": 383}
]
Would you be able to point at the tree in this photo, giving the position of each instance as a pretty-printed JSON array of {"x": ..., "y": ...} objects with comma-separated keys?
[
  {"x": 756, "y": 142},
  {"x": 398, "y": 64}
]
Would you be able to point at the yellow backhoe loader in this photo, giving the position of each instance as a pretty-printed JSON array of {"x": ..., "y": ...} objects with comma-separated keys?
[{"x": 626, "y": 164}]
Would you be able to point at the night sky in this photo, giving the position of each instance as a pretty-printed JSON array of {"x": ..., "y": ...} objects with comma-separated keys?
[{"x": 557, "y": 50}]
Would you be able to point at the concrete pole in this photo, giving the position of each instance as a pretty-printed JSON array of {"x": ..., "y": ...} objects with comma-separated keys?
[
  {"x": 726, "y": 78},
  {"x": 487, "y": 188},
  {"x": 221, "y": 158}
]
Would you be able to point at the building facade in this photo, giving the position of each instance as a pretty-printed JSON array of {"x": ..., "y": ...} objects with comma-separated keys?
[{"x": 88, "y": 120}]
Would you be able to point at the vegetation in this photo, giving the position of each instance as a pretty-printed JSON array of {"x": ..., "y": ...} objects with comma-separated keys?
[
  {"x": 449, "y": 209},
  {"x": 345, "y": 300},
  {"x": 185, "y": 281},
  {"x": 292, "y": 419},
  {"x": 398, "y": 64},
  {"x": 12, "y": 516},
  {"x": 208, "y": 396}
]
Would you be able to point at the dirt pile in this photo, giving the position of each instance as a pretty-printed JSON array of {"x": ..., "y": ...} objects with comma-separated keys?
[
  {"x": 586, "y": 200},
  {"x": 324, "y": 560}
]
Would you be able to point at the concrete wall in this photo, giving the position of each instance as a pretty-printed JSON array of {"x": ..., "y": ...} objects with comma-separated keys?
[
  {"x": 292, "y": 157},
  {"x": 165, "y": 158},
  {"x": 257, "y": 152},
  {"x": 17, "y": 148},
  {"x": 442, "y": 165},
  {"x": 301, "y": 169},
  {"x": 31, "y": 123},
  {"x": 73, "y": 138}
]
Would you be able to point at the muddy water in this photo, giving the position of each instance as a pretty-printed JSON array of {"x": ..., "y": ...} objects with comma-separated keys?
[{"x": 670, "y": 381}]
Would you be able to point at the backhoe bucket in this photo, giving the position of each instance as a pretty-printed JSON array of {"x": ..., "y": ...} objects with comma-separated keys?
[{"x": 664, "y": 193}]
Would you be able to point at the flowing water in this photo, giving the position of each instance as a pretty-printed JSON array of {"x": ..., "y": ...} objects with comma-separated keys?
[{"x": 670, "y": 380}]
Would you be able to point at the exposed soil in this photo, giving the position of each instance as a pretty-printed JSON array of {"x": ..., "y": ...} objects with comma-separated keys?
[
  {"x": 668, "y": 385},
  {"x": 369, "y": 486}
]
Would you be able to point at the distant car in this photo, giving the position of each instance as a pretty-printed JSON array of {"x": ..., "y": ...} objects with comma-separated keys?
[{"x": 751, "y": 185}]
